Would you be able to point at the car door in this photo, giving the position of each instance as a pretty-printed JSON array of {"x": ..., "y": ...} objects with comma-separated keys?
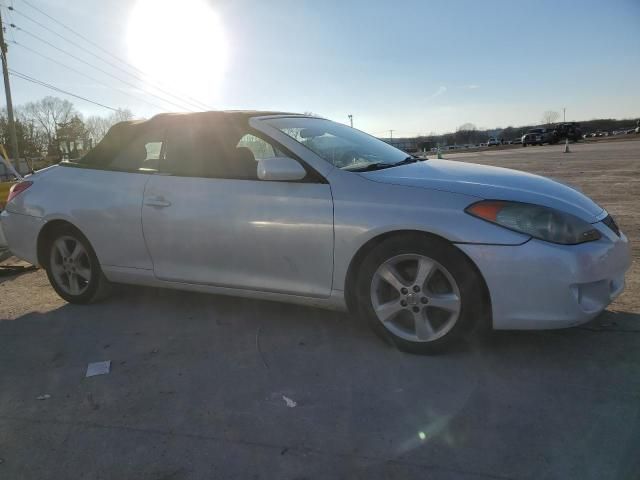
[{"x": 208, "y": 220}]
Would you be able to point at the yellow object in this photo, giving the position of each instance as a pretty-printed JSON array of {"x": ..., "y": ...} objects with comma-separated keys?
[
  {"x": 4, "y": 186},
  {"x": 4, "y": 152},
  {"x": 4, "y": 192}
]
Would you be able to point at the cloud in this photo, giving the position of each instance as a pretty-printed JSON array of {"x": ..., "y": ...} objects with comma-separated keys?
[
  {"x": 472, "y": 86},
  {"x": 441, "y": 89}
]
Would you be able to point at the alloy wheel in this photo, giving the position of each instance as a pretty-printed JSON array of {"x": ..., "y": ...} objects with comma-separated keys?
[
  {"x": 415, "y": 297},
  {"x": 70, "y": 265}
]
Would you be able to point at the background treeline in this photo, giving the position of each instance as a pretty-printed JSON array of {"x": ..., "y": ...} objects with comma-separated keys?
[
  {"x": 469, "y": 134},
  {"x": 52, "y": 128}
]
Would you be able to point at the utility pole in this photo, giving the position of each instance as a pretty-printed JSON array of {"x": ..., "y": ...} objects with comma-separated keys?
[
  {"x": 564, "y": 114},
  {"x": 390, "y": 134},
  {"x": 351, "y": 120},
  {"x": 7, "y": 90}
]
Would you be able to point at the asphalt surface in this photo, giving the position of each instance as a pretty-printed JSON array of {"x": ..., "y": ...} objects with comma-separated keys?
[{"x": 198, "y": 384}]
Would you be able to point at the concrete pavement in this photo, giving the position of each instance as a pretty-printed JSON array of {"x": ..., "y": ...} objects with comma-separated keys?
[{"x": 197, "y": 384}]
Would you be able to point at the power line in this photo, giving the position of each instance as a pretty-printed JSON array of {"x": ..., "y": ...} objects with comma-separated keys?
[
  {"x": 28, "y": 78},
  {"x": 9, "y": 31},
  {"x": 113, "y": 65},
  {"x": 181, "y": 106},
  {"x": 86, "y": 76},
  {"x": 94, "y": 67},
  {"x": 191, "y": 100}
]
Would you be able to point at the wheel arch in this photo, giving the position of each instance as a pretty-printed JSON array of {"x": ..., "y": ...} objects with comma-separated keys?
[
  {"x": 351, "y": 279},
  {"x": 44, "y": 236}
]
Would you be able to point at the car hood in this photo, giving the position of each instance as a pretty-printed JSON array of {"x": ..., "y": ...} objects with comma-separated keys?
[{"x": 493, "y": 183}]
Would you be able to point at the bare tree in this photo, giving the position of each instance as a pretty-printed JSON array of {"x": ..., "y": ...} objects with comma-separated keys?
[
  {"x": 466, "y": 133},
  {"x": 121, "y": 115},
  {"x": 97, "y": 126},
  {"x": 49, "y": 114},
  {"x": 467, "y": 127},
  {"x": 549, "y": 117}
]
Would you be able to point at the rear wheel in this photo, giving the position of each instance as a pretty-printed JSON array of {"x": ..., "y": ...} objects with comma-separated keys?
[
  {"x": 421, "y": 294},
  {"x": 72, "y": 267}
]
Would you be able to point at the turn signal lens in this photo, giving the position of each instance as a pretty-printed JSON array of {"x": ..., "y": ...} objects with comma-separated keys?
[
  {"x": 17, "y": 189},
  {"x": 486, "y": 210},
  {"x": 537, "y": 221}
]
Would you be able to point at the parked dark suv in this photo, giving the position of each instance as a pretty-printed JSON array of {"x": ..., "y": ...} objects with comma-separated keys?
[
  {"x": 539, "y": 136},
  {"x": 570, "y": 130}
]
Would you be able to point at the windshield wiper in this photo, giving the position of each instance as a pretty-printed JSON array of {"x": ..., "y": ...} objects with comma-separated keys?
[
  {"x": 371, "y": 166},
  {"x": 381, "y": 165},
  {"x": 406, "y": 160}
]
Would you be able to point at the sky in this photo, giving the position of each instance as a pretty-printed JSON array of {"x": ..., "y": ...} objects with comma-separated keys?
[{"x": 414, "y": 67}]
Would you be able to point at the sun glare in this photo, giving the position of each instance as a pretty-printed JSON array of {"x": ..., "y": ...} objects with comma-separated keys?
[{"x": 179, "y": 44}]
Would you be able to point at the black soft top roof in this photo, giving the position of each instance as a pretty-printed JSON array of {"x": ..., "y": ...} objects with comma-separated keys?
[
  {"x": 166, "y": 119},
  {"x": 126, "y": 128},
  {"x": 122, "y": 133}
]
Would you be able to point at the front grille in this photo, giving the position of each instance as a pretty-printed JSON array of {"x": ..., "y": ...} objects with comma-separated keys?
[{"x": 610, "y": 222}]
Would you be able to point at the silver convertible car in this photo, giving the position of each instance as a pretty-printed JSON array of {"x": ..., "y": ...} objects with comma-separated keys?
[{"x": 300, "y": 209}]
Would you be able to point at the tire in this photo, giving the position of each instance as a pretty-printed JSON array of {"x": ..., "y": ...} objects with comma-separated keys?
[
  {"x": 69, "y": 256},
  {"x": 418, "y": 320}
]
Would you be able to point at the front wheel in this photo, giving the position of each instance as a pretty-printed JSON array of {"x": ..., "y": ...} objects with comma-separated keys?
[
  {"x": 73, "y": 269},
  {"x": 422, "y": 294}
]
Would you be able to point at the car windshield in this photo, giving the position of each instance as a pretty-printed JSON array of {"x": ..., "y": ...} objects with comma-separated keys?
[{"x": 342, "y": 146}]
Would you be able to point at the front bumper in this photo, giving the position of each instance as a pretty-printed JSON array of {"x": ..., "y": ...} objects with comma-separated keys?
[{"x": 540, "y": 285}]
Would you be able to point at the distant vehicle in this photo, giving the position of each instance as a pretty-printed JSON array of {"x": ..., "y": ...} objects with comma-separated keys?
[
  {"x": 539, "y": 136},
  {"x": 516, "y": 141},
  {"x": 493, "y": 142},
  {"x": 570, "y": 130},
  {"x": 301, "y": 209},
  {"x": 619, "y": 131}
]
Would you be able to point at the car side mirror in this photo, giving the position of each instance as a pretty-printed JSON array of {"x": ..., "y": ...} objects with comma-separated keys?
[{"x": 280, "y": 169}]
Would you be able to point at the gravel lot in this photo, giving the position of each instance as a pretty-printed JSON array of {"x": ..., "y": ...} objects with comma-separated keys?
[{"x": 197, "y": 382}]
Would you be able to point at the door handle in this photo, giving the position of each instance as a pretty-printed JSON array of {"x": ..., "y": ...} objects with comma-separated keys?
[{"x": 156, "y": 202}]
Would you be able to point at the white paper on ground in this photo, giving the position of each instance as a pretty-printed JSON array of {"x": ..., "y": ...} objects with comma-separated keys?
[
  {"x": 290, "y": 403},
  {"x": 98, "y": 368}
]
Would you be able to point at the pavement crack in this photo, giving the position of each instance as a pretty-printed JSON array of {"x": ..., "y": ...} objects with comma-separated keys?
[{"x": 278, "y": 448}]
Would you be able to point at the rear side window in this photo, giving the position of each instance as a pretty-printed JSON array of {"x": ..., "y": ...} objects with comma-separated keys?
[
  {"x": 142, "y": 154},
  {"x": 137, "y": 150}
]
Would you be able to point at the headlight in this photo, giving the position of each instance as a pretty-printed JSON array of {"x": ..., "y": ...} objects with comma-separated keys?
[{"x": 539, "y": 222}]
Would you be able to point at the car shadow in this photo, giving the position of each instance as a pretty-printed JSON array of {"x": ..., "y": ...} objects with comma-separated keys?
[{"x": 140, "y": 309}]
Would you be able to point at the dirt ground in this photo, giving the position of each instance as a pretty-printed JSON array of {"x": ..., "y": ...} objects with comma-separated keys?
[{"x": 205, "y": 386}]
